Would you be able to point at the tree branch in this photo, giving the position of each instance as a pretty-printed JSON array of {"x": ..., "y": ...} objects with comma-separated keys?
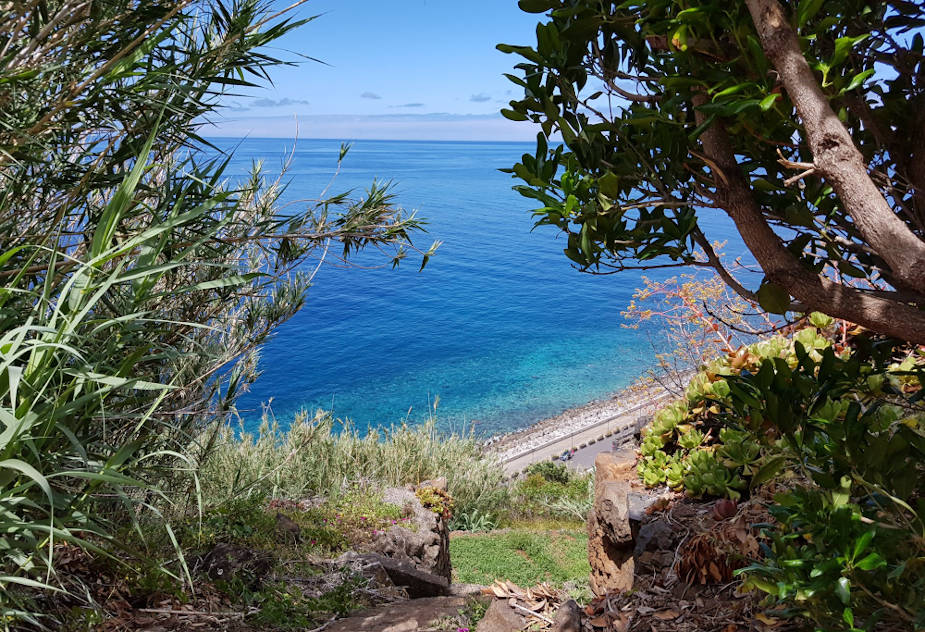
[
  {"x": 888, "y": 316},
  {"x": 834, "y": 154}
]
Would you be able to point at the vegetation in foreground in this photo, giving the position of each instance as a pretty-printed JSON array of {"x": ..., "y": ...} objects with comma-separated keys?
[
  {"x": 138, "y": 281},
  {"x": 833, "y": 421},
  {"x": 525, "y": 556}
]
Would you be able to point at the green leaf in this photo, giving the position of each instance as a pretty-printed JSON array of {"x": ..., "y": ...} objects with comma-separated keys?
[
  {"x": 858, "y": 79},
  {"x": 871, "y": 562},
  {"x": 768, "y": 101},
  {"x": 843, "y": 590},
  {"x": 773, "y": 298},
  {"x": 820, "y": 320},
  {"x": 537, "y": 6},
  {"x": 609, "y": 184},
  {"x": 843, "y": 46},
  {"x": 848, "y": 616},
  {"x": 513, "y": 115},
  {"x": 806, "y": 10},
  {"x": 767, "y": 471},
  {"x": 862, "y": 543},
  {"x": 121, "y": 200}
]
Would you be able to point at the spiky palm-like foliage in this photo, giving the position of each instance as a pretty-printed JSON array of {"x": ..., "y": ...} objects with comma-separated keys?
[{"x": 136, "y": 281}]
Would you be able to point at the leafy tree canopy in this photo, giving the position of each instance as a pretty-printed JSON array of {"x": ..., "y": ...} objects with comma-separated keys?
[{"x": 801, "y": 121}]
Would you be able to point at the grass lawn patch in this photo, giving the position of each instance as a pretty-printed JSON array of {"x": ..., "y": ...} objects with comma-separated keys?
[{"x": 521, "y": 556}]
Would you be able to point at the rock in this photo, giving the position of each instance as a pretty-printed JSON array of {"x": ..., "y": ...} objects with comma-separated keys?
[
  {"x": 610, "y": 534},
  {"x": 287, "y": 527},
  {"x": 466, "y": 590},
  {"x": 424, "y": 543},
  {"x": 436, "y": 483},
  {"x": 404, "y": 616},
  {"x": 500, "y": 617},
  {"x": 417, "y": 583},
  {"x": 568, "y": 618},
  {"x": 228, "y": 561}
]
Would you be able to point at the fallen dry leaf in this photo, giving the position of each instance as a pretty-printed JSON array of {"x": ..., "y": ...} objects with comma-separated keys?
[
  {"x": 765, "y": 619},
  {"x": 667, "y": 615}
]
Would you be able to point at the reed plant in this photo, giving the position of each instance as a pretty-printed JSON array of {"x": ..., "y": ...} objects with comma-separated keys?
[
  {"x": 318, "y": 455},
  {"x": 138, "y": 279}
]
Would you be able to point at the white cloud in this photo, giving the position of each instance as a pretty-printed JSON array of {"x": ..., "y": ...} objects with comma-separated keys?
[{"x": 399, "y": 126}]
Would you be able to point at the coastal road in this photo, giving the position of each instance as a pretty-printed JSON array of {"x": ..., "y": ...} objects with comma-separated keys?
[{"x": 621, "y": 427}]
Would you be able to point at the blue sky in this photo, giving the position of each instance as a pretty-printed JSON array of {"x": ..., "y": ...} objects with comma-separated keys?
[{"x": 396, "y": 69}]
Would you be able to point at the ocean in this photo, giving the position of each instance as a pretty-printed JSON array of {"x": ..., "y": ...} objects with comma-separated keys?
[{"x": 499, "y": 329}]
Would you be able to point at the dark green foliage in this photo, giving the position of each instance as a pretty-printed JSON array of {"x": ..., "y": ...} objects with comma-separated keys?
[
  {"x": 632, "y": 88},
  {"x": 839, "y": 426},
  {"x": 552, "y": 472},
  {"x": 565, "y": 495}
]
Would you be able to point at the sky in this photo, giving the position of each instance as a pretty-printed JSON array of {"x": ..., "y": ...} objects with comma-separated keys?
[{"x": 393, "y": 70}]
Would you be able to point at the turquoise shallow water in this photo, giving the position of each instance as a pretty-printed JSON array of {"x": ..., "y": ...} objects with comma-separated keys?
[{"x": 498, "y": 325}]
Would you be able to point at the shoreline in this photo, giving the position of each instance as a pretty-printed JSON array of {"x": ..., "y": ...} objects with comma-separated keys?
[{"x": 589, "y": 422}]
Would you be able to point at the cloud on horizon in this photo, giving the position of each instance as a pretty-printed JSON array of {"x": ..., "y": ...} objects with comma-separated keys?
[
  {"x": 408, "y": 105},
  {"x": 481, "y": 97},
  {"x": 397, "y": 126},
  {"x": 370, "y": 95},
  {"x": 270, "y": 103}
]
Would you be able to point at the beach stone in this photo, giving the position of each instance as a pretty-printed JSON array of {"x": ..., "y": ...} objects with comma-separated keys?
[
  {"x": 500, "y": 617},
  {"x": 610, "y": 534},
  {"x": 423, "y": 542}
]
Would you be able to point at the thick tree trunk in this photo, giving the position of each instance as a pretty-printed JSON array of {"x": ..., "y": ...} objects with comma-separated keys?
[
  {"x": 818, "y": 293},
  {"x": 834, "y": 153}
]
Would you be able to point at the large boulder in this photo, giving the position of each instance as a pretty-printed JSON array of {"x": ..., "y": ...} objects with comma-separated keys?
[{"x": 423, "y": 541}]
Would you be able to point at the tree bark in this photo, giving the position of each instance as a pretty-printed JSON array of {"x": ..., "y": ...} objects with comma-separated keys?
[
  {"x": 834, "y": 154},
  {"x": 817, "y": 292}
]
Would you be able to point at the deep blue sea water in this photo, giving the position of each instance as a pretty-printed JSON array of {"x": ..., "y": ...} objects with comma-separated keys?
[{"x": 499, "y": 326}]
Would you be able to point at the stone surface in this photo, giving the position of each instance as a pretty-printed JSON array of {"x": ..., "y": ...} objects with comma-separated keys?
[
  {"x": 465, "y": 590},
  {"x": 424, "y": 543},
  {"x": 417, "y": 583},
  {"x": 229, "y": 561},
  {"x": 436, "y": 483},
  {"x": 610, "y": 534},
  {"x": 568, "y": 618},
  {"x": 403, "y": 616},
  {"x": 500, "y": 617}
]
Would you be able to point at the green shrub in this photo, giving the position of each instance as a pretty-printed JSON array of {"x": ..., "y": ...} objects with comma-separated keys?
[
  {"x": 550, "y": 471},
  {"x": 473, "y": 521},
  {"x": 845, "y": 420},
  {"x": 537, "y": 496}
]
